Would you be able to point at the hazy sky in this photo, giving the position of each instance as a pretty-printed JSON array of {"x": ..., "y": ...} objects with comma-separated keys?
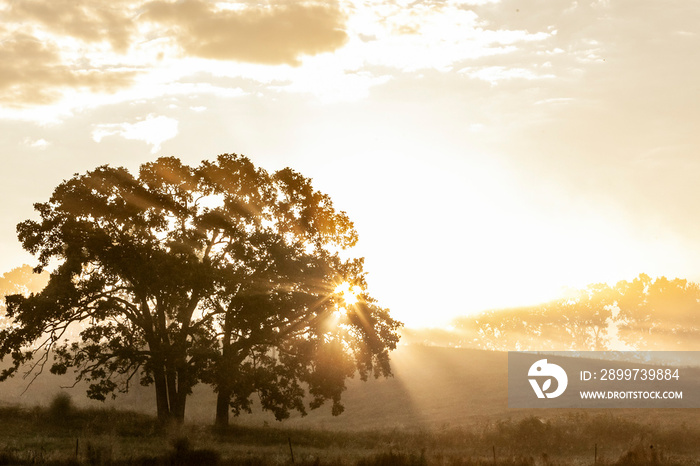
[{"x": 490, "y": 152}]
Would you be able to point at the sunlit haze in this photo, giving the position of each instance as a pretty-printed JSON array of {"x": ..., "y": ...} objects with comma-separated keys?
[
  {"x": 348, "y": 293},
  {"x": 490, "y": 153}
]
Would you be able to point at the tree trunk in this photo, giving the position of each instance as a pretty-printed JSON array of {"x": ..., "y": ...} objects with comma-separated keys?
[
  {"x": 162, "y": 404},
  {"x": 176, "y": 412},
  {"x": 223, "y": 397},
  {"x": 159, "y": 380},
  {"x": 177, "y": 407},
  {"x": 181, "y": 403},
  {"x": 222, "y": 407},
  {"x": 183, "y": 387}
]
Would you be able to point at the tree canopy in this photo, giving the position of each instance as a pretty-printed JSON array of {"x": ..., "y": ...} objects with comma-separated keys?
[{"x": 222, "y": 273}]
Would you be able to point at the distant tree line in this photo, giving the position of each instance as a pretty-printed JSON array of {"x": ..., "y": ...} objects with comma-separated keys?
[{"x": 643, "y": 314}]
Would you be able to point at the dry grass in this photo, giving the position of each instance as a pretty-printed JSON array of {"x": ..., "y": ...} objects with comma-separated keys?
[{"x": 108, "y": 436}]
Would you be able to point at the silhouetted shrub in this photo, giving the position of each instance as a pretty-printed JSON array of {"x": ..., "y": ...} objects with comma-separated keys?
[{"x": 61, "y": 407}]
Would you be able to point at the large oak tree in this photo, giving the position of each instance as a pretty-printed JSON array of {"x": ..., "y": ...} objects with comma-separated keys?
[{"x": 221, "y": 273}]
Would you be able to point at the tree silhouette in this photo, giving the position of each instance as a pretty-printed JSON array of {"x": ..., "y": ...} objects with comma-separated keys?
[
  {"x": 579, "y": 322},
  {"x": 648, "y": 314},
  {"x": 659, "y": 314},
  {"x": 221, "y": 273},
  {"x": 585, "y": 317}
]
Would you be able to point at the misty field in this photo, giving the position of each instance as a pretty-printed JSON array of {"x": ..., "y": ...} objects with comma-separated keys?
[{"x": 444, "y": 406}]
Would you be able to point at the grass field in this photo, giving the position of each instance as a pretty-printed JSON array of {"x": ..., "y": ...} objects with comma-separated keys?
[
  {"x": 67, "y": 435},
  {"x": 443, "y": 407}
]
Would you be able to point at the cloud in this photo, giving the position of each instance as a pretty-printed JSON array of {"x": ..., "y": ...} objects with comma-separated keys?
[
  {"x": 87, "y": 20},
  {"x": 40, "y": 144},
  {"x": 494, "y": 74},
  {"x": 330, "y": 85},
  {"x": 274, "y": 35},
  {"x": 429, "y": 34},
  {"x": 154, "y": 130},
  {"x": 33, "y": 72}
]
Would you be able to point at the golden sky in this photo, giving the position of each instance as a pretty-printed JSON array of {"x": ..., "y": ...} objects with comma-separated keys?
[{"x": 491, "y": 153}]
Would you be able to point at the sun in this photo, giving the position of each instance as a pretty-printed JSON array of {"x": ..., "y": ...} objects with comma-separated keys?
[{"x": 348, "y": 293}]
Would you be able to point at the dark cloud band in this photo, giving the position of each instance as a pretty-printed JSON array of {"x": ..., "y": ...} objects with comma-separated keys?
[{"x": 274, "y": 35}]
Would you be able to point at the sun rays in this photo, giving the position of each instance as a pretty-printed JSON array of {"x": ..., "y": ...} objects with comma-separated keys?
[{"x": 349, "y": 293}]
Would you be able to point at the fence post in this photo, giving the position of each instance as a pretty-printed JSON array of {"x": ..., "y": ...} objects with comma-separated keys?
[{"x": 291, "y": 452}]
